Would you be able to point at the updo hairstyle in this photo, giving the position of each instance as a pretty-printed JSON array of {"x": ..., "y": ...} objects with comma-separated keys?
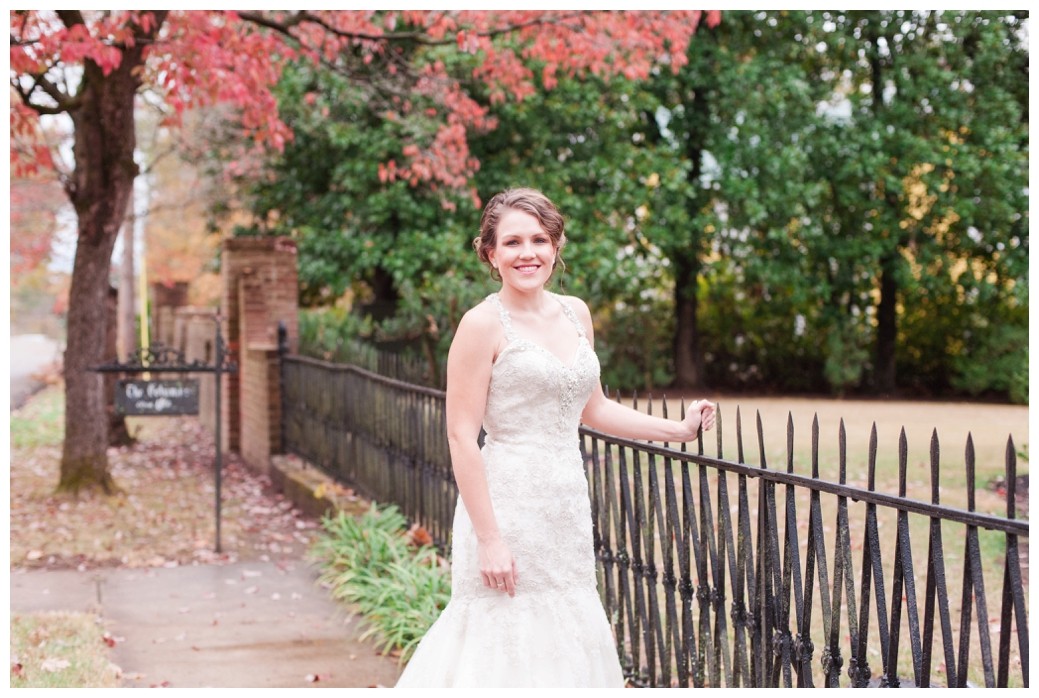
[{"x": 520, "y": 199}]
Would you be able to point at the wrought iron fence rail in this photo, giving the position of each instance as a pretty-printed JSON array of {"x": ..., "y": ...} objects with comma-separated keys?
[
  {"x": 716, "y": 572},
  {"x": 370, "y": 375},
  {"x": 815, "y": 484}
]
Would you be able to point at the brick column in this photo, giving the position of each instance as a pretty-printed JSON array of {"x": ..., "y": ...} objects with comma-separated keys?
[{"x": 261, "y": 287}]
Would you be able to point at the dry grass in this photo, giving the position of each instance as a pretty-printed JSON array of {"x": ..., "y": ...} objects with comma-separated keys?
[{"x": 60, "y": 650}]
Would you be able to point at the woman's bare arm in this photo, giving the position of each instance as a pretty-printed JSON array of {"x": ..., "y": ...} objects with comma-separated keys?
[
  {"x": 620, "y": 420},
  {"x": 469, "y": 365}
]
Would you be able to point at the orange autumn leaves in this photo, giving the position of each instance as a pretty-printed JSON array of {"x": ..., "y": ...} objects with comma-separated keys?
[{"x": 200, "y": 58}]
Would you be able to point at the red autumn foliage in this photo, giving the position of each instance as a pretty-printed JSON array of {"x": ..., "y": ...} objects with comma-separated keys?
[{"x": 202, "y": 58}]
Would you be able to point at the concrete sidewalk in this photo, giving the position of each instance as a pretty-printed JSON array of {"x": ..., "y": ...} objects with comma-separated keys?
[{"x": 248, "y": 624}]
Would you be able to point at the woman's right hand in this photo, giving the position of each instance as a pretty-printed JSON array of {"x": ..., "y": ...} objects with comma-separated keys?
[{"x": 497, "y": 568}]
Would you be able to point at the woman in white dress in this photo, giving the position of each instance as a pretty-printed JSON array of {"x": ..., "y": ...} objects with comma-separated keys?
[{"x": 524, "y": 608}]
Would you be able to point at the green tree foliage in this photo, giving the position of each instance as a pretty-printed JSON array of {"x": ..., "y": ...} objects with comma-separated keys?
[
  {"x": 735, "y": 121},
  {"x": 393, "y": 248},
  {"x": 924, "y": 152},
  {"x": 584, "y": 144},
  {"x": 812, "y": 191}
]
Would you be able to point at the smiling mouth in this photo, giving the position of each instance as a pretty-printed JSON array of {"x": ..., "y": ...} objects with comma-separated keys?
[{"x": 528, "y": 268}]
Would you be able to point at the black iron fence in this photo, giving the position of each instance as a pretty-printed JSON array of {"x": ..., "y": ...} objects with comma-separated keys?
[{"x": 717, "y": 572}]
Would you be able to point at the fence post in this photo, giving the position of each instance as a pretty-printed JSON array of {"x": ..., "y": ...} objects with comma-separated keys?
[
  {"x": 217, "y": 380},
  {"x": 283, "y": 350}
]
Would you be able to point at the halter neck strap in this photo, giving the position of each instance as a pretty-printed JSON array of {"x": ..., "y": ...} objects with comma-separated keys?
[{"x": 506, "y": 319}]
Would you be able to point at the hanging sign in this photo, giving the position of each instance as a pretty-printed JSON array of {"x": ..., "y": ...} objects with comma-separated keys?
[{"x": 157, "y": 397}]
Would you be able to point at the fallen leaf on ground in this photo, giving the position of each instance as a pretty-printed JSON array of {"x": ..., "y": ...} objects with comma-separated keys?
[{"x": 54, "y": 664}]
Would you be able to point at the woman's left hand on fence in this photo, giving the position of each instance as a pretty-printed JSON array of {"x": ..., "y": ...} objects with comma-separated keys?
[{"x": 700, "y": 415}]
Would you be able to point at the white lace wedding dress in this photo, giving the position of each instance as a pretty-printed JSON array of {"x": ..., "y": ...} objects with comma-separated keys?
[{"x": 554, "y": 631}]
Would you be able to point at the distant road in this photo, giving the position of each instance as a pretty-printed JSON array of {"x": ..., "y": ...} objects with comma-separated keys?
[{"x": 30, "y": 353}]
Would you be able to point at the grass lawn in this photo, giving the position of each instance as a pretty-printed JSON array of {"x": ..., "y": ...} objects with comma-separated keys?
[{"x": 60, "y": 650}]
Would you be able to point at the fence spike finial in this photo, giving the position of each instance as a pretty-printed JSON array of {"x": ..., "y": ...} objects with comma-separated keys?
[
  {"x": 934, "y": 467},
  {"x": 790, "y": 442},
  {"x": 842, "y": 454},
  {"x": 903, "y": 462},
  {"x": 718, "y": 427},
  {"x": 761, "y": 442},
  {"x": 815, "y": 445},
  {"x": 872, "y": 476},
  {"x": 739, "y": 436},
  {"x": 1011, "y": 477},
  {"x": 968, "y": 459}
]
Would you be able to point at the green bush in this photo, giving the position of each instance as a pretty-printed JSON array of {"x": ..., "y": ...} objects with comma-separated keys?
[
  {"x": 998, "y": 363},
  {"x": 633, "y": 342},
  {"x": 370, "y": 562},
  {"x": 847, "y": 357},
  {"x": 330, "y": 333}
]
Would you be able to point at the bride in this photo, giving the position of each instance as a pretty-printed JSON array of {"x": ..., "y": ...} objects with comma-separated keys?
[{"x": 524, "y": 609}]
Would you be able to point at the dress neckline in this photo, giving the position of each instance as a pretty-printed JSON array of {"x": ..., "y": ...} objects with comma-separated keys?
[{"x": 513, "y": 338}]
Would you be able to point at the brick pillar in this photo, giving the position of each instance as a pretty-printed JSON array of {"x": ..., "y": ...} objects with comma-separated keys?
[{"x": 261, "y": 288}]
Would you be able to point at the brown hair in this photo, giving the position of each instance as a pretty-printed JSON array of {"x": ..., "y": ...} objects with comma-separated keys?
[{"x": 521, "y": 199}]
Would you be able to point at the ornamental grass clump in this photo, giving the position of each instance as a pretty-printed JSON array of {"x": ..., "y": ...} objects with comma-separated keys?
[{"x": 371, "y": 562}]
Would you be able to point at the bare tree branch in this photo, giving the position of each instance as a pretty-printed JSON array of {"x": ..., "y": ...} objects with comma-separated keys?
[
  {"x": 70, "y": 18},
  {"x": 62, "y": 107},
  {"x": 297, "y": 18},
  {"x": 65, "y": 101}
]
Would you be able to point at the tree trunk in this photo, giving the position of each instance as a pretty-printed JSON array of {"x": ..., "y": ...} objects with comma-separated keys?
[
  {"x": 689, "y": 368},
  {"x": 688, "y": 357},
  {"x": 84, "y": 459},
  {"x": 100, "y": 189},
  {"x": 126, "y": 338},
  {"x": 887, "y": 326},
  {"x": 887, "y": 307}
]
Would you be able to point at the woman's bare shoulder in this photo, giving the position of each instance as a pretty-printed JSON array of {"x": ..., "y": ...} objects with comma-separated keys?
[
  {"x": 482, "y": 317},
  {"x": 480, "y": 326}
]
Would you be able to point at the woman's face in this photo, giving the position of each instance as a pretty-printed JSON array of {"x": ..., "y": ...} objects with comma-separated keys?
[{"x": 523, "y": 252}]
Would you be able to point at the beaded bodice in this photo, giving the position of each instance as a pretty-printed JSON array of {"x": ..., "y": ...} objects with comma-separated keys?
[{"x": 527, "y": 380}]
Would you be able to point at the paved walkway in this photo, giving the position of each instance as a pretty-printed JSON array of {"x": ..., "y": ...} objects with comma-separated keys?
[
  {"x": 29, "y": 353},
  {"x": 250, "y": 624}
]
